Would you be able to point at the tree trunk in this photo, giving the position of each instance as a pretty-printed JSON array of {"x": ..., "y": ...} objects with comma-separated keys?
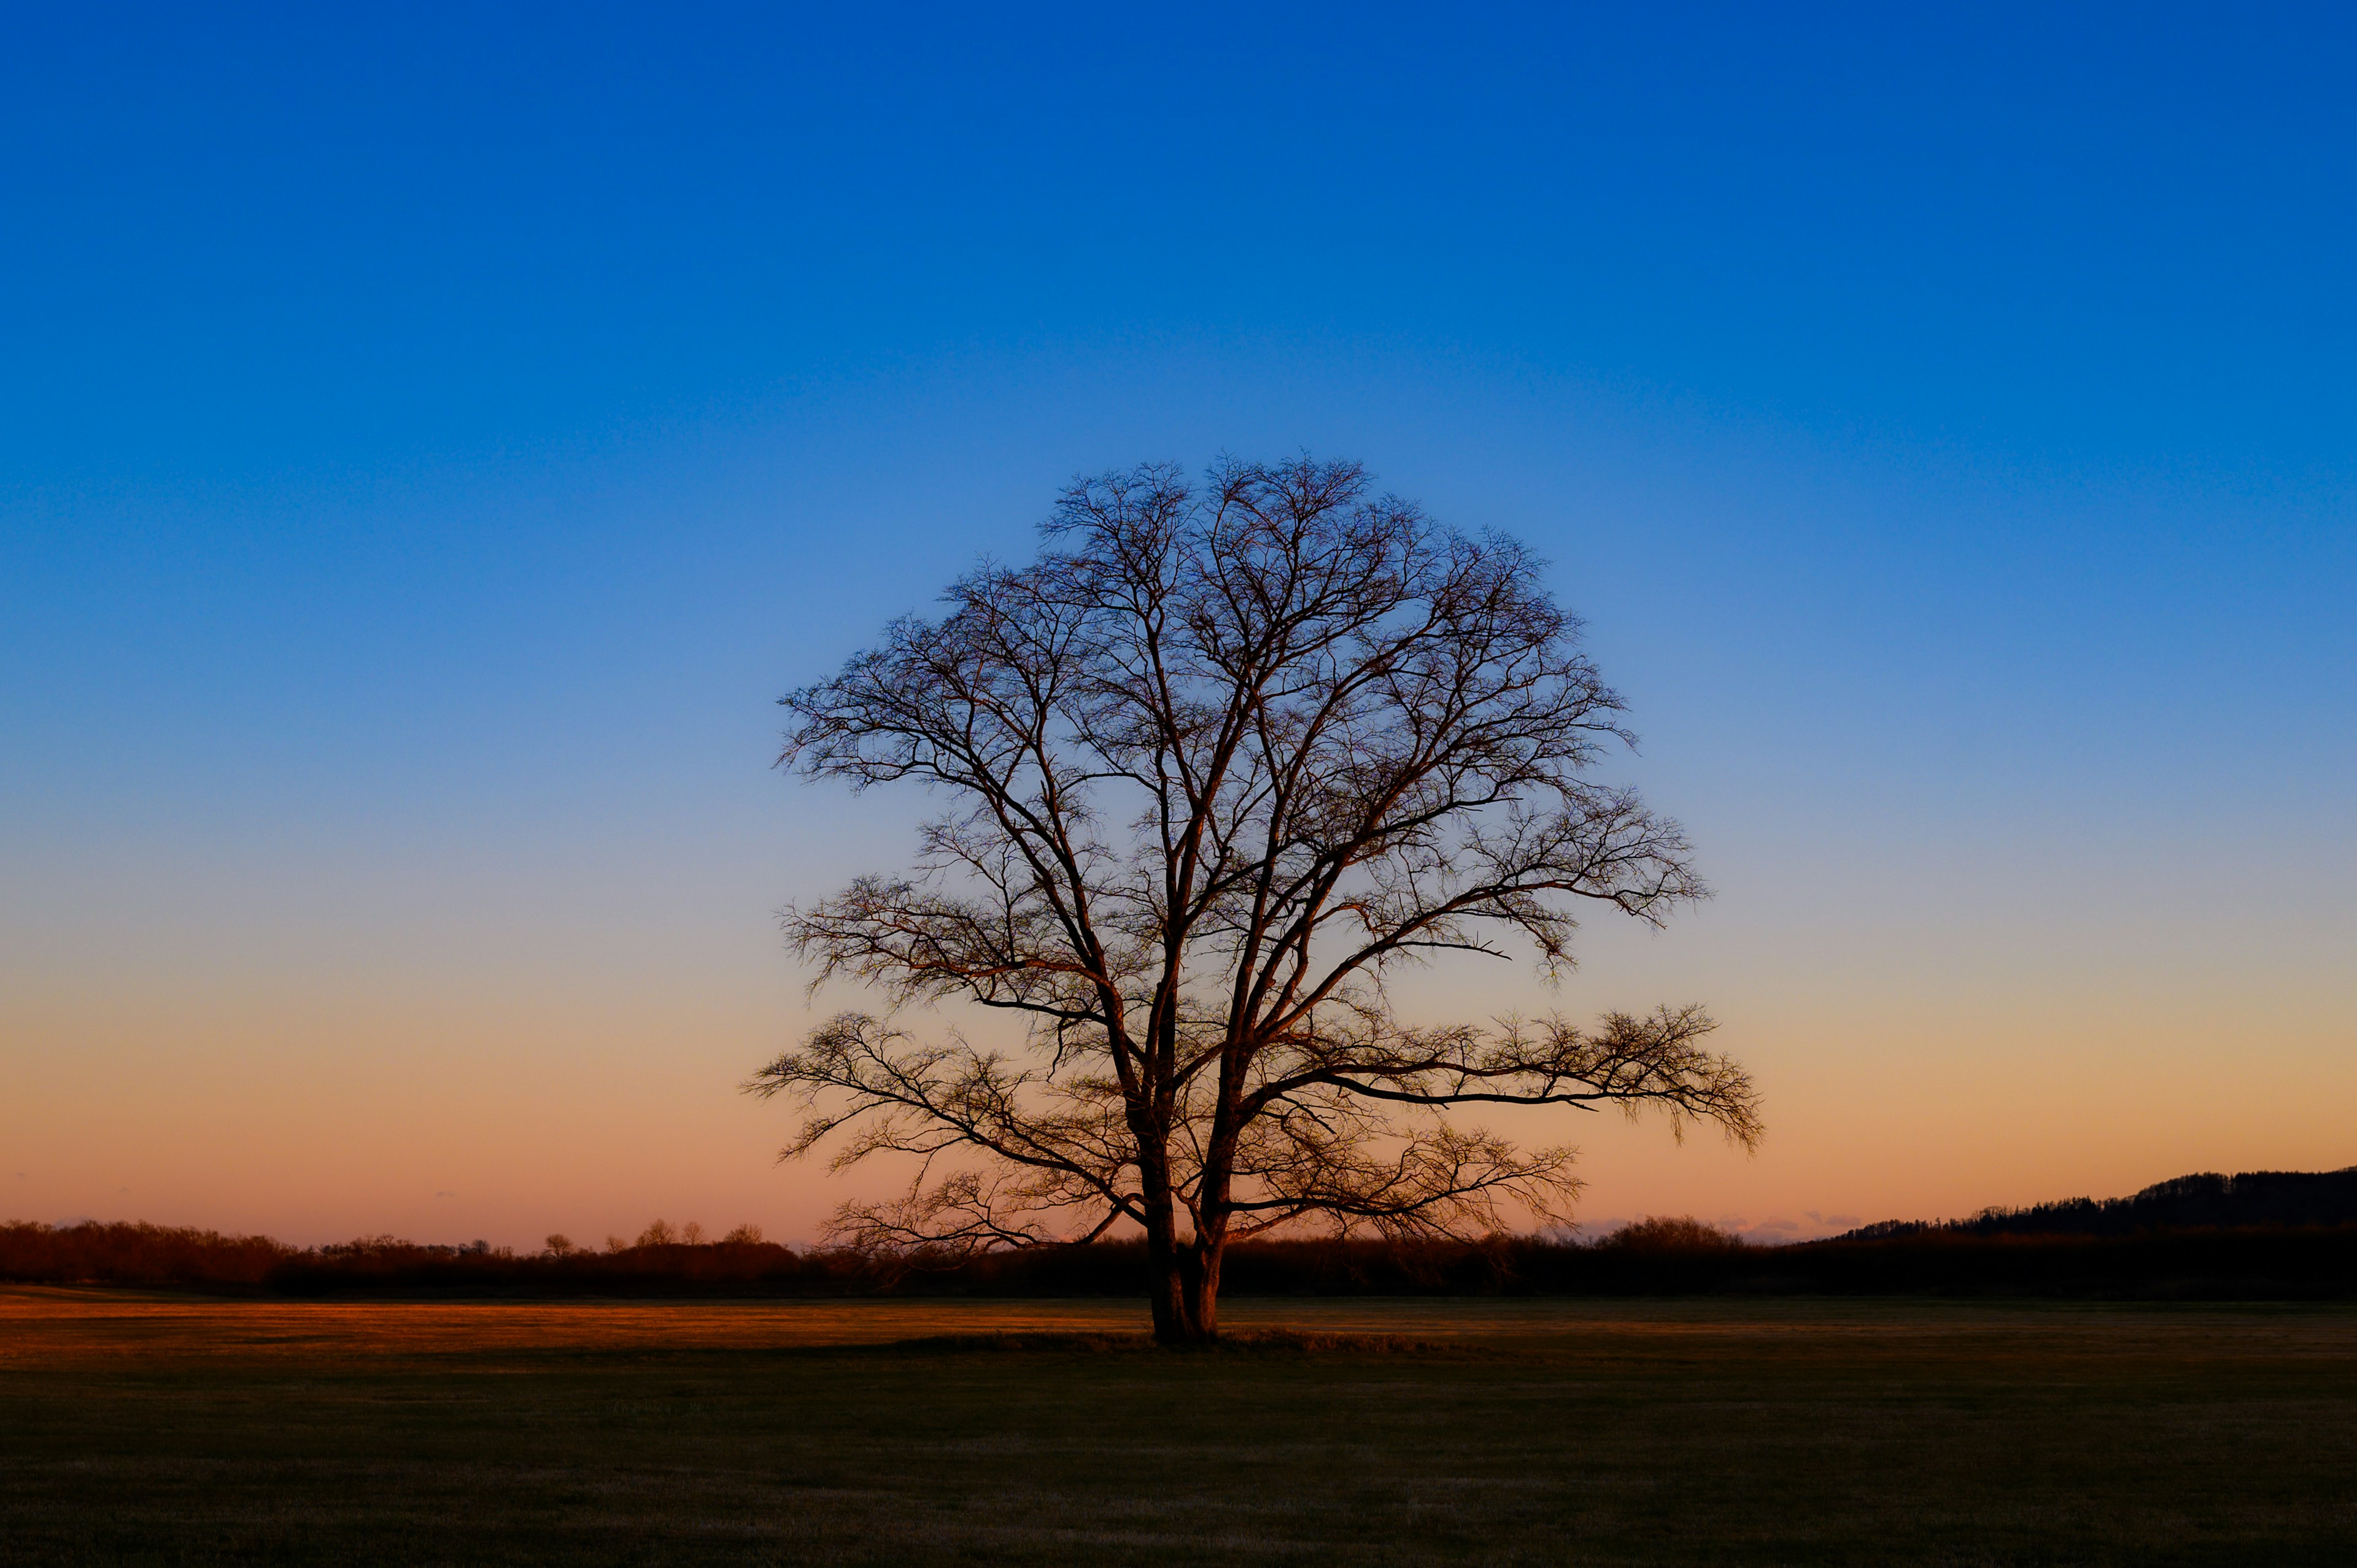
[
  {"x": 1185, "y": 1288},
  {"x": 1207, "y": 1288}
]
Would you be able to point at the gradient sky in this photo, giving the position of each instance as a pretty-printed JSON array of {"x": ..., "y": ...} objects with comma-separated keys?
[{"x": 429, "y": 441}]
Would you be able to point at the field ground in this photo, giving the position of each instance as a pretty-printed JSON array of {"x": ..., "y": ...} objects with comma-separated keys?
[{"x": 147, "y": 1428}]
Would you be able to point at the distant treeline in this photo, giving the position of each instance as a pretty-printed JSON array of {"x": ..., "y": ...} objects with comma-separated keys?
[{"x": 2262, "y": 1235}]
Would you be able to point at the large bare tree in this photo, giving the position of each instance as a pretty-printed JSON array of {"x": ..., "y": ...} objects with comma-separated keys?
[{"x": 1216, "y": 764}]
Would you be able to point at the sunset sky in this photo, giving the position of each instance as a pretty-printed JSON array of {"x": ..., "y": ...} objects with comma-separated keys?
[{"x": 430, "y": 441}]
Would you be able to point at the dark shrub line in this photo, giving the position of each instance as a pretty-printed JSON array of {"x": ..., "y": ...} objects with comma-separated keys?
[{"x": 1656, "y": 1258}]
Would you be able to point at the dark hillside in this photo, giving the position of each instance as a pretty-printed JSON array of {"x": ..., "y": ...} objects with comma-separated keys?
[{"x": 2205, "y": 1201}]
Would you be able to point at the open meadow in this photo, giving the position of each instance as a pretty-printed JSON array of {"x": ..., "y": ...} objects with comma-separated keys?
[{"x": 148, "y": 1428}]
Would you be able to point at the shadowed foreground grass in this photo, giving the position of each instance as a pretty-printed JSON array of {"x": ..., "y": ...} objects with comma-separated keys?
[{"x": 150, "y": 1429}]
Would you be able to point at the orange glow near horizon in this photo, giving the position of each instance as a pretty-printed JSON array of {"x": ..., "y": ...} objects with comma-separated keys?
[{"x": 451, "y": 1105}]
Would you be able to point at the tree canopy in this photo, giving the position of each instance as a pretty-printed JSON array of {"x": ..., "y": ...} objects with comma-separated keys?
[{"x": 1214, "y": 765}]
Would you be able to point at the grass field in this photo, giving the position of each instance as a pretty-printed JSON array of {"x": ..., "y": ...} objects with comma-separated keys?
[{"x": 151, "y": 1429}]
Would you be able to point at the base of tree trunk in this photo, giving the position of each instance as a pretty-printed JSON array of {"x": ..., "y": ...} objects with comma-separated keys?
[{"x": 1185, "y": 1299}]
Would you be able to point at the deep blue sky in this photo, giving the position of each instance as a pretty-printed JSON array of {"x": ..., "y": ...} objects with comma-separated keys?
[
  {"x": 308, "y": 241},
  {"x": 427, "y": 440}
]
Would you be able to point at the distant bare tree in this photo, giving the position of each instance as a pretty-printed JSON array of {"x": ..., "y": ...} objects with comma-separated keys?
[{"x": 1217, "y": 763}]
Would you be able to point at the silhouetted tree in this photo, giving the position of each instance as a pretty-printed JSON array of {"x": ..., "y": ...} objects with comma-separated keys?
[{"x": 1216, "y": 762}]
